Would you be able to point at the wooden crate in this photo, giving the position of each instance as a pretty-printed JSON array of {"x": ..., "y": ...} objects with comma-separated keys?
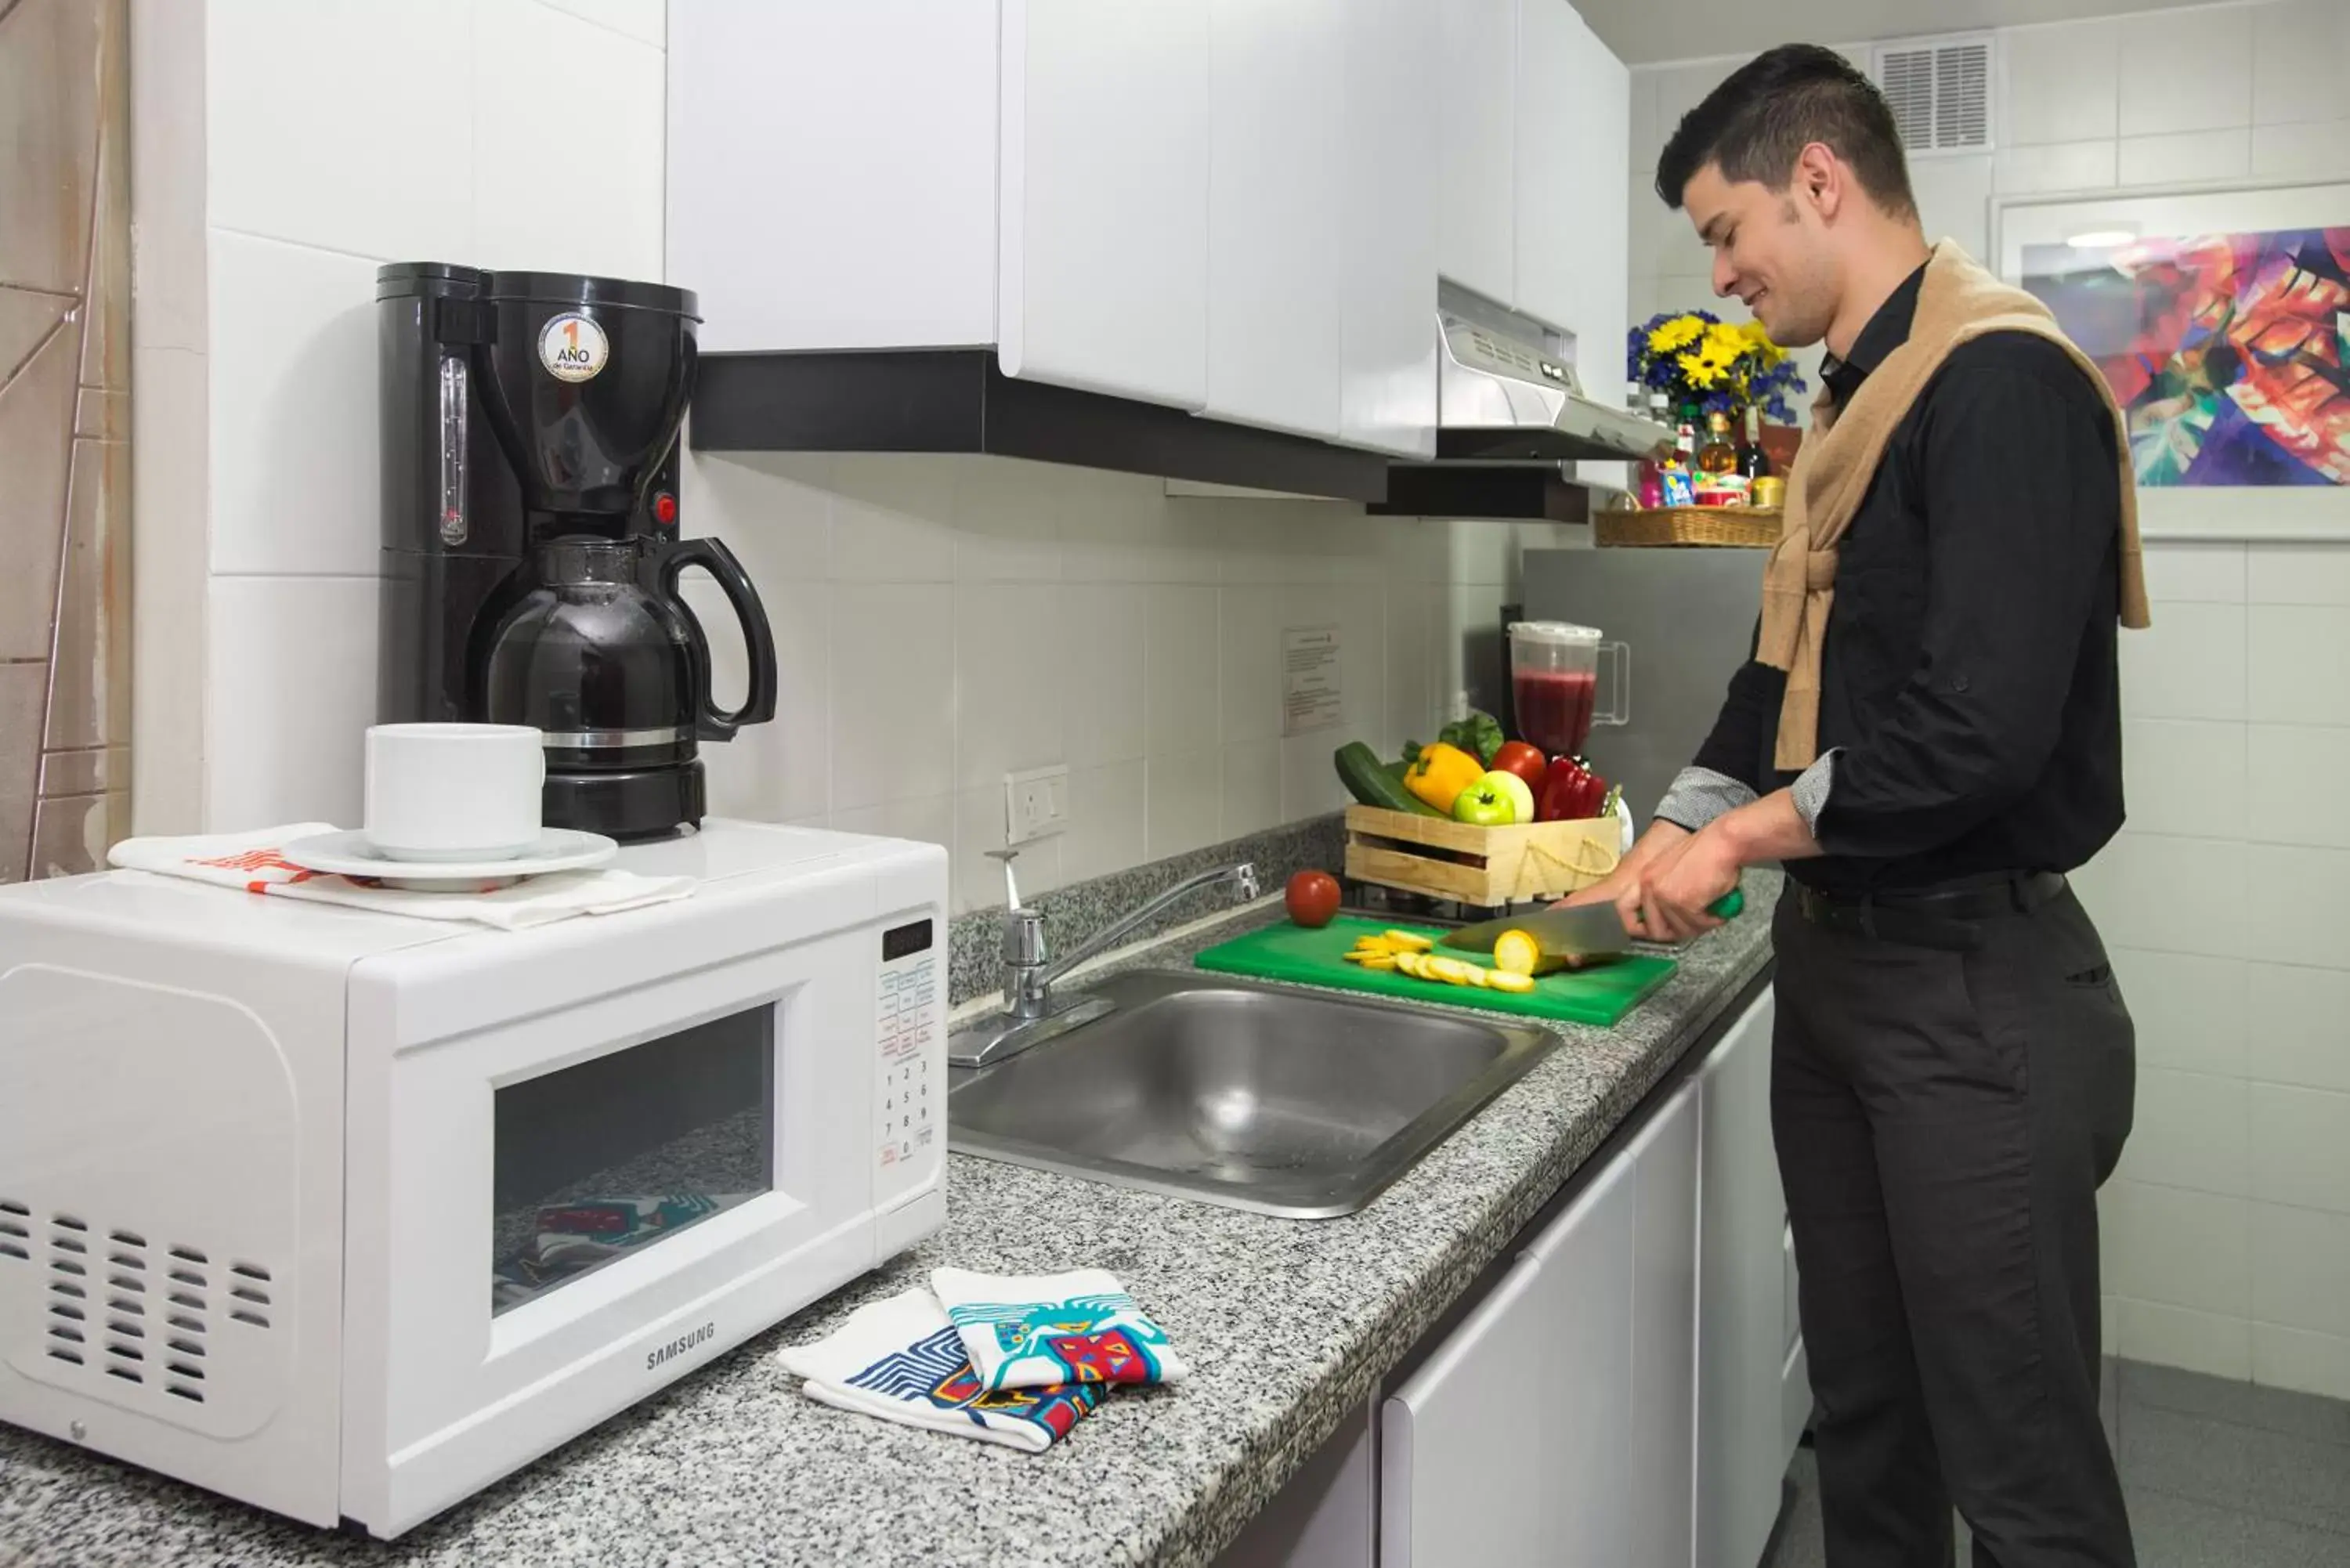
[
  {"x": 1483, "y": 867},
  {"x": 1741, "y": 527}
]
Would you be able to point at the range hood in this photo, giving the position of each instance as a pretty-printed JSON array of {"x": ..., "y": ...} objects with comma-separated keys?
[{"x": 1511, "y": 414}]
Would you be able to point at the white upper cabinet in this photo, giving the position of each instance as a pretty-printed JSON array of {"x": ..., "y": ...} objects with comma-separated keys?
[
  {"x": 1105, "y": 199},
  {"x": 1387, "y": 258},
  {"x": 1477, "y": 221},
  {"x": 1275, "y": 208},
  {"x": 1573, "y": 131},
  {"x": 832, "y": 172}
]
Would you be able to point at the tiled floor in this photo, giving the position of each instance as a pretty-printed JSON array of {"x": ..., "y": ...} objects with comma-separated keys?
[{"x": 2219, "y": 1475}]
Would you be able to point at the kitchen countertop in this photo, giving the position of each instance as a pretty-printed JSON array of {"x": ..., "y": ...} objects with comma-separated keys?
[{"x": 1288, "y": 1326}]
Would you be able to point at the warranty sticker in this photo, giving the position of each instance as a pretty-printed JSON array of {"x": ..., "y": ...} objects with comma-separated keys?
[{"x": 572, "y": 347}]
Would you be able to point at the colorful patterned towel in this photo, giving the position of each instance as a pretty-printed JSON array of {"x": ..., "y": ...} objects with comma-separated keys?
[
  {"x": 1043, "y": 1329},
  {"x": 902, "y": 1360}
]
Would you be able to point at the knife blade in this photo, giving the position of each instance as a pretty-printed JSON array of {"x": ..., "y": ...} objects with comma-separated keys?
[{"x": 1587, "y": 931}]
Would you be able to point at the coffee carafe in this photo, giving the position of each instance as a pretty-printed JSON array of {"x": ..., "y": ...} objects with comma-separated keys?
[{"x": 531, "y": 552}]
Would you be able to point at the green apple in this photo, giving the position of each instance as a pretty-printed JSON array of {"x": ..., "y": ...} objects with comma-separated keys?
[
  {"x": 1484, "y": 806},
  {"x": 1514, "y": 790}
]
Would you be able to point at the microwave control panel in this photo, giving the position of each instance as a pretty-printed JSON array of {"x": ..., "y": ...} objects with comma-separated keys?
[{"x": 910, "y": 1110}]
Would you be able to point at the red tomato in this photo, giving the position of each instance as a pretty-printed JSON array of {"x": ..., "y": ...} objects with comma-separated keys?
[
  {"x": 1527, "y": 761},
  {"x": 1312, "y": 899}
]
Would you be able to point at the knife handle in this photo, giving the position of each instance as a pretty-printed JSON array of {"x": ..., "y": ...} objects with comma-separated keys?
[{"x": 1730, "y": 906}]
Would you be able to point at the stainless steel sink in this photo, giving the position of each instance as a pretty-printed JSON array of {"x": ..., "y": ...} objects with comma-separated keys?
[{"x": 1251, "y": 1096}]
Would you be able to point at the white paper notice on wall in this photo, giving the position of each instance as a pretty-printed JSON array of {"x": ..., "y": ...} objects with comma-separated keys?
[{"x": 1309, "y": 680}]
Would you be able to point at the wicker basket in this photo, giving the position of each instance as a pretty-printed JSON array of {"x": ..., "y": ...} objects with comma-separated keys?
[
  {"x": 1483, "y": 867},
  {"x": 1744, "y": 527}
]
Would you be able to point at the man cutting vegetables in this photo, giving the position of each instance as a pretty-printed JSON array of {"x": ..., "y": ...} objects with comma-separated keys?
[{"x": 1928, "y": 736}]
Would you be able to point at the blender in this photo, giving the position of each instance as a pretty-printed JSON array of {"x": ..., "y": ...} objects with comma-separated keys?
[{"x": 1555, "y": 684}]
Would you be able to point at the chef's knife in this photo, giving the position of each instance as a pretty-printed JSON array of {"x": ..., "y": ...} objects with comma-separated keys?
[{"x": 1587, "y": 931}]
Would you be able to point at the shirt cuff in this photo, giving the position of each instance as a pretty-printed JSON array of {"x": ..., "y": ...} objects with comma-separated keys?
[
  {"x": 1699, "y": 795},
  {"x": 1812, "y": 787}
]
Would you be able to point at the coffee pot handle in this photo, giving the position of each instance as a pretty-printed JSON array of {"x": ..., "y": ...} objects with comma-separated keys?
[{"x": 710, "y": 722}]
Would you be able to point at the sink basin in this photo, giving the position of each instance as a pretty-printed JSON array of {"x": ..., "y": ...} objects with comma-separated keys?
[{"x": 1251, "y": 1096}]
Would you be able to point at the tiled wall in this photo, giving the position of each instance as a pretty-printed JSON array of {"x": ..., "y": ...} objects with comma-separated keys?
[
  {"x": 942, "y": 621},
  {"x": 2228, "y": 1228},
  {"x": 64, "y": 364},
  {"x": 285, "y": 151}
]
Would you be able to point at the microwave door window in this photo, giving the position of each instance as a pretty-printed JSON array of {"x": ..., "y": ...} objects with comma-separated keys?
[{"x": 599, "y": 1161}]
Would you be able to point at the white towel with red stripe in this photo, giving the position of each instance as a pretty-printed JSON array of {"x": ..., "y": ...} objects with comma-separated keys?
[{"x": 255, "y": 862}]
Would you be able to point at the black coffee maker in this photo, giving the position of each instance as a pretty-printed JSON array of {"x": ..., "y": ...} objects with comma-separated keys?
[{"x": 531, "y": 556}]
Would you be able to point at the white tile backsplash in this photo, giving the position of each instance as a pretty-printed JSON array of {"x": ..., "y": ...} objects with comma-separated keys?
[
  {"x": 893, "y": 691},
  {"x": 2301, "y": 58},
  {"x": 2299, "y": 1358},
  {"x": 337, "y": 124},
  {"x": 780, "y": 770},
  {"x": 977, "y": 880},
  {"x": 1107, "y": 820},
  {"x": 1007, "y": 522},
  {"x": 1954, "y": 200},
  {"x": 892, "y": 518},
  {"x": 2299, "y": 574},
  {"x": 2133, "y": 889},
  {"x": 1248, "y": 663},
  {"x": 2214, "y": 1343},
  {"x": 2023, "y": 170},
  {"x": 2059, "y": 84},
  {"x": 2186, "y": 70},
  {"x": 2185, "y": 777},
  {"x": 294, "y": 473},
  {"x": 2184, "y": 156},
  {"x": 2294, "y": 896},
  {"x": 1103, "y": 634},
  {"x": 2190, "y": 664},
  {"x": 589, "y": 209},
  {"x": 1183, "y": 662},
  {"x": 2178, "y": 1248},
  {"x": 2297, "y": 777},
  {"x": 2300, "y": 1268},
  {"x": 2296, "y": 659},
  {"x": 2295, "y": 1023},
  {"x": 2311, "y": 150},
  {"x": 2196, "y": 573},
  {"x": 1251, "y": 787},
  {"x": 1183, "y": 797},
  {"x": 1010, "y": 681},
  {"x": 289, "y": 692},
  {"x": 2190, "y": 1130},
  {"x": 2300, "y": 1147},
  {"x": 2190, "y": 1010}
]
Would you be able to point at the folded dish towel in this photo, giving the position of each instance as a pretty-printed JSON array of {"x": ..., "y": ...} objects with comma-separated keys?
[
  {"x": 902, "y": 1360},
  {"x": 1037, "y": 1330},
  {"x": 252, "y": 862}
]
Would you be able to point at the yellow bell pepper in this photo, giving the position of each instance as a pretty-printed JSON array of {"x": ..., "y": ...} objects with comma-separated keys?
[{"x": 1441, "y": 773}]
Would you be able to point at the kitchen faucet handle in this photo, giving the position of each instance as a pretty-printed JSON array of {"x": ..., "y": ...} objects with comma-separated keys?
[{"x": 1011, "y": 888}]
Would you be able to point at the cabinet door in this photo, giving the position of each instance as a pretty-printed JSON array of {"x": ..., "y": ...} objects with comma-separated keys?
[
  {"x": 1274, "y": 212},
  {"x": 1664, "y": 1335},
  {"x": 1103, "y": 197},
  {"x": 1574, "y": 129},
  {"x": 1387, "y": 262},
  {"x": 1741, "y": 1450},
  {"x": 1476, "y": 243},
  {"x": 800, "y": 233},
  {"x": 1508, "y": 1446}
]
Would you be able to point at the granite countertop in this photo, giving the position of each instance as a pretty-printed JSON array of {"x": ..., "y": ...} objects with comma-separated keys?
[{"x": 1286, "y": 1324}]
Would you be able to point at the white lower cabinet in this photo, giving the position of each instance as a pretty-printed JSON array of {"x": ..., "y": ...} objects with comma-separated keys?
[{"x": 1626, "y": 1395}]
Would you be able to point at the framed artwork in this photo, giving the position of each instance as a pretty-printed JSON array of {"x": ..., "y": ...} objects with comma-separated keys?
[{"x": 2221, "y": 321}]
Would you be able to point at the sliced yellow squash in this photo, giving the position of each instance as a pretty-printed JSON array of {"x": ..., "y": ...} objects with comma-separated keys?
[
  {"x": 1405, "y": 941},
  {"x": 1506, "y": 980},
  {"x": 1516, "y": 953}
]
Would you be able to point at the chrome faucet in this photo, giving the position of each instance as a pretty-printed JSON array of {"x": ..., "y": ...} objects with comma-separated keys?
[{"x": 1031, "y": 1015}]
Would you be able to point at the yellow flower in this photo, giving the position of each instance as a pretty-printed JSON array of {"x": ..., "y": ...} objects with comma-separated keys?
[
  {"x": 1758, "y": 339},
  {"x": 1725, "y": 342},
  {"x": 1702, "y": 372},
  {"x": 1679, "y": 332}
]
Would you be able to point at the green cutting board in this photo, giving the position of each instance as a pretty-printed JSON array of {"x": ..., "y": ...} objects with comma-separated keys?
[{"x": 1600, "y": 995}]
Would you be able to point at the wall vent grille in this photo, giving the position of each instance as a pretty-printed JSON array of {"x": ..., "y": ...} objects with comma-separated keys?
[{"x": 1939, "y": 89}]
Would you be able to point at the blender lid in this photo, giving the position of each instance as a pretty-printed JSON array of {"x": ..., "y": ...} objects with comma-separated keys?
[{"x": 1553, "y": 631}]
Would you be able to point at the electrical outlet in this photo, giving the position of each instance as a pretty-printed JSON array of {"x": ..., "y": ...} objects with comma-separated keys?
[{"x": 1036, "y": 804}]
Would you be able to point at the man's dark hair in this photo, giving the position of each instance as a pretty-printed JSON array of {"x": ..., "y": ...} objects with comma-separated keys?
[{"x": 1756, "y": 124}]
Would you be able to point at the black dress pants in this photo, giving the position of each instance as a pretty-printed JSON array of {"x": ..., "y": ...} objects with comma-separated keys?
[{"x": 1944, "y": 1117}]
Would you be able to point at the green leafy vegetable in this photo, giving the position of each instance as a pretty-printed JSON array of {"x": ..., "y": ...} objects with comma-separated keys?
[{"x": 1479, "y": 734}]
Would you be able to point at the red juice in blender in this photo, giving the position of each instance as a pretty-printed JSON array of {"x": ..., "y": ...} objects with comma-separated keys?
[{"x": 1555, "y": 707}]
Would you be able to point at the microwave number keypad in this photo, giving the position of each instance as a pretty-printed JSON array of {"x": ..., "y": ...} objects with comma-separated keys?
[{"x": 908, "y": 1116}]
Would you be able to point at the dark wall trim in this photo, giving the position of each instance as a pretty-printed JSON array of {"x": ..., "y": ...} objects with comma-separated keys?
[
  {"x": 958, "y": 400},
  {"x": 1438, "y": 490}
]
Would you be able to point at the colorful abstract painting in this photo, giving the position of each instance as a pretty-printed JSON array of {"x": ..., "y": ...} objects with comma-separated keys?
[{"x": 2230, "y": 353}]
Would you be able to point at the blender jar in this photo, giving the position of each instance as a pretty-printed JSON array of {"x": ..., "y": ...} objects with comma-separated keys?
[{"x": 1554, "y": 683}]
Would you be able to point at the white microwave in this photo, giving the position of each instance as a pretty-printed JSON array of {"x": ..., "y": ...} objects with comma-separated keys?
[{"x": 348, "y": 1215}]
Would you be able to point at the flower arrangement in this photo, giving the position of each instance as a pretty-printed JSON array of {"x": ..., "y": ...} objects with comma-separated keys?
[{"x": 1694, "y": 357}]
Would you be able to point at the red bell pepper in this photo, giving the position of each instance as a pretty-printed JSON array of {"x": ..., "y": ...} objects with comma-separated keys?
[{"x": 1570, "y": 792}]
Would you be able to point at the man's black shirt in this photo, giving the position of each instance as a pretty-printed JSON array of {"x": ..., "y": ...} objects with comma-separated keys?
[{"x": 1969, "y": 688}]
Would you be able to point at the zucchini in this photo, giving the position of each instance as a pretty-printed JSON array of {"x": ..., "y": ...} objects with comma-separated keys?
[{"x": 1366, "y": 778}]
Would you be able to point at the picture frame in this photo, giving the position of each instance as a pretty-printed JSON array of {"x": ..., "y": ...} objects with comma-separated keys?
[{"x": 2246, "y": 491}]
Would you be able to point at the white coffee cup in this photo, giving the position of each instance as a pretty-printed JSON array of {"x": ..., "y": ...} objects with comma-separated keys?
[{"x": 449, "y": 793}]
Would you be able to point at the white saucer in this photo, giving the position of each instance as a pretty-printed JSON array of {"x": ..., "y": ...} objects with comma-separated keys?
[{"x": 349, "y": 853}]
